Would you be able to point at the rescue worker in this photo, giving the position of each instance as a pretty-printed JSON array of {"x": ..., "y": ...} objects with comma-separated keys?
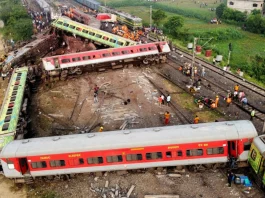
[
  {"x": 216, "y": 101},
  {"x": 196, "y": 120},
  {"x": 160, "y": 100},
  {"x": 244, "y": 101},
  {"x": 213, "y": 105},
  {"x": 167, "y": 116},
  {"x": 100, "y": 129},
  {"x": 252, "y": 114},
  {"x": 236, "y": 88},
  {"x": 228, "y": 101}
]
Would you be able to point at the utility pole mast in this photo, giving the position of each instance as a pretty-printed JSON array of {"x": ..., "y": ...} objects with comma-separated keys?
[
  {"x": 193, "y": 58},
  {"x": 150, "y": 17},
  {"x": 229, "y": 53}
]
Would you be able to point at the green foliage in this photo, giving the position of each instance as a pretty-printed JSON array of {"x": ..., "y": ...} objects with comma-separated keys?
[
  {"x": 166, "y": 8},
  {"x": 256, "y": 23},
  {"x": 18, "y": 24},
  {"x": 258, "y": 68},
  {"x": 220, "y": 34},
  {"x": 173, "y": 25},
  {"x": 158, "y": 16},
  {"x": 220, "y": 10},
  {"x": 235, "y": 15},
  {"x": 255, "y": 11}
]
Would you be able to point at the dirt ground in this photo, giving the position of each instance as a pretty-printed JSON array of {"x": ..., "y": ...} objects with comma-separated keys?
[{"x": 69, "y": 107}]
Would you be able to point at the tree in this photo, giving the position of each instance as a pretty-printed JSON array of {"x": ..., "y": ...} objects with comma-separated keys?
[
  {"x": 255, "y": 11},
  {"x": 220, "y": 10},
  {"x": 158, "y": 16},
  {"x": 174, "y": 24}
]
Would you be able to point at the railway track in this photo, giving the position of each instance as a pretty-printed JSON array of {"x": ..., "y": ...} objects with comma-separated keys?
[
  {"x": 236, "y": 79},
  {"x": 247, "y": 108}
]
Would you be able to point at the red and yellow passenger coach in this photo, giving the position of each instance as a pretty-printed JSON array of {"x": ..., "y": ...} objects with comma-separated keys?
[{"x": 207, "y": 143}]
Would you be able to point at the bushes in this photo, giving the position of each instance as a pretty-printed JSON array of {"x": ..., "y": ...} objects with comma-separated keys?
[{"x": 256, "y": 24}]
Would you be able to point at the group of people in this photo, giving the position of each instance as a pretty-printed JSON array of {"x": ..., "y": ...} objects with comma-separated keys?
[
  {"x": 238, "y": 96},
  {"x": 40, "y": 20},
  {"x": 162, "y": 99}
]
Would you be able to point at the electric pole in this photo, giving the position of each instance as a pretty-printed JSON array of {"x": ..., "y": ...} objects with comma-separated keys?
[
  {"x": 150, "y": 17},
  {"x": 229, "y": 53}
]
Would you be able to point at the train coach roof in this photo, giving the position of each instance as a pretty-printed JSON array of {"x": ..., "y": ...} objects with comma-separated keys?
[
  {"x": 131, "y": 138},
  {"x": 259, "y": 142}
]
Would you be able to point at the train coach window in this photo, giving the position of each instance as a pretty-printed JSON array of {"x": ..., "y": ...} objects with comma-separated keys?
[
  {"x": 72, "y": 26},
  {"x": 179, "y": 153},
  {"x": 116, "y": 53},
  {"x": 143, "y": 49},
  {"x": 168, "y": 154},
  {"x": 41, "y": 164},
  {"x": 78, "y": 29},
  {"x": 106, "y": 55},
  {"x": 91, "y": 33},
  {"x": 86, "y": 57},
  {"x": 66, "y": 24},
  {"x": 112, "y": 41},
  {"x": 65, "y": 60},
  {"x": 59, "y": 22},
  {"x": 213, "y": 151},
  {"x": 57, "y": 163},
  {"x": 76, "y": 59},
  {"x": 134, "y": 157},
  {"x": 253, "y": 154},
  {"x": 114, "y": 158},
  {"x": 85, "y": 31},
  {"x": 10, "y": 164},
  {"x": 95, "y": 160},
  {"x": 152, "y": 48},
  {"x": 247, "y": 146},
  {"x": 125, "y": 52},
  {"x": 127, "y": 43},
  {"x": 120, "y": 43},
  {"x": 98, "y": 36},
  {"x": 155, "y": 155},
  {"x": 194, "y": 152}
]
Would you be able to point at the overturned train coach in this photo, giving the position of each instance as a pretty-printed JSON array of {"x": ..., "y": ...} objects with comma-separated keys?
[
  {"x": 207, "y": 143},
  {"x": 99, "y": 60}
]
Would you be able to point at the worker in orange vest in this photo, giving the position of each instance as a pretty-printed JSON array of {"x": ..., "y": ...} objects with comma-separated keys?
[
  {"x": 167, "y": 116},
  {"x": 216, "y": 101},
  {"x": 236, "y": 88},
  {"x": 196, "y": 120},
  {"x": 228, "y": 101},
  {"x": 100, "y": 129}
]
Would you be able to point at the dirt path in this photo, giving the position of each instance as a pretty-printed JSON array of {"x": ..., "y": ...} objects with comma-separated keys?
[{"x": 8, "y": 189}]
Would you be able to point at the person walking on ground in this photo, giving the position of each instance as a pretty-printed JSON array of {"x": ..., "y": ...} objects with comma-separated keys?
[
  {"x": 167, "y": 116},
  {"x": 230, "y": 178},
  {"x": 96, "y": 88},
  {"x": 168, "y": 99},
  {"x": 252, "y": 114},
  {"x": 216, "y": 101},
  {"x": 236, "y": 88},
  {"x": 160, "y": 100},
  {"x": 228, "y": 101},
  {"x": 95, "y": 97},
  {"x": 196, "y": 120},
  {"x": 244, "y": 101},
  {"x": 163, "y": 99}
]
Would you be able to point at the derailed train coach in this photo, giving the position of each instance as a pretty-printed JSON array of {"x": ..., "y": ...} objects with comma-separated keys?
[{"x": 213, "y": 144}]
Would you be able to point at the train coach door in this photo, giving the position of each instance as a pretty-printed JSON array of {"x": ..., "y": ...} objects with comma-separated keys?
[
  {"x": 23, "y": 165},
  {"x": 159, "y": 48},
  {"x": 232, "y": 148},
  {"x": 56, "y": 63}
]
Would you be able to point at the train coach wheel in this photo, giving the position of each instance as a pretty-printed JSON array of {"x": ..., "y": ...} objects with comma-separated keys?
[
  {"x": 64, "y": 75},
  {"x": 78, "y": 71},
  {"x": 146, "y": 61}
]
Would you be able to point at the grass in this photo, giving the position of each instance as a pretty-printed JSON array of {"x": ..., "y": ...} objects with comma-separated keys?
[{"x": 243, "y": 49}]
